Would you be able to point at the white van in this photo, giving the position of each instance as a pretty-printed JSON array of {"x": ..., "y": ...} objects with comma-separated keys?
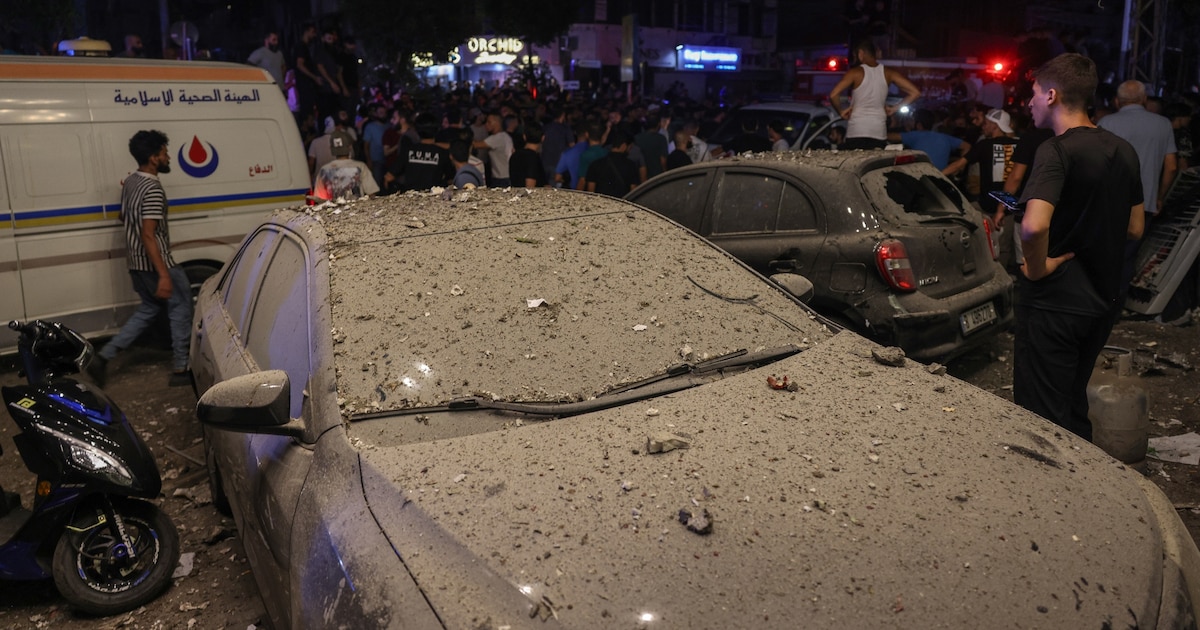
[{"x": 65, "y": 125}]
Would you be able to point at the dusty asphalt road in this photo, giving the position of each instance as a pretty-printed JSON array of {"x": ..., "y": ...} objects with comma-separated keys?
[{"x": 219, "y": 591}]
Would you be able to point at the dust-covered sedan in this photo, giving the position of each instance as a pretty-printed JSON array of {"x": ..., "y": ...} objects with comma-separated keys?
[
  {"x": 892, "y": 248},
  {"x": 552, "y": 409}
]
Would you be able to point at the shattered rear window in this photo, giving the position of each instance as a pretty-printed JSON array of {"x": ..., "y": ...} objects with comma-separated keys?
[
  {"x": 514, "y": 305},
  {"x": 913, "y": 189}
]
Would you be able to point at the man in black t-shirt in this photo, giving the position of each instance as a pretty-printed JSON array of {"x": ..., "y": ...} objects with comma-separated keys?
[
  {"x": 307, "y": 79},
  {"x": 425, "y": 163},
  {"x": 525, "y": 166},
  {"x": 1082, "y": 202},
  {"x": 614, "y": 174}
]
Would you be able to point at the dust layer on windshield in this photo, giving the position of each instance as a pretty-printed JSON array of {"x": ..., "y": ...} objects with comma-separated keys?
[{"x": 557, "y": 306}]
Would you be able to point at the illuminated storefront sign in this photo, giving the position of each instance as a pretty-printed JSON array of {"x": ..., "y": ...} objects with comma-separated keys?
[
  {"x": 708, "y": 58},
  {"x": 489, "y": 50}
]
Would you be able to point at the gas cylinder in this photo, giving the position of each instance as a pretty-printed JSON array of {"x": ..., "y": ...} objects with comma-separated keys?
[{"x": 1118, "y": 407}]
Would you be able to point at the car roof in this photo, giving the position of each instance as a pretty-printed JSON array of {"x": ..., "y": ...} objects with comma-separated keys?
[{"x": 857, "y": 161}]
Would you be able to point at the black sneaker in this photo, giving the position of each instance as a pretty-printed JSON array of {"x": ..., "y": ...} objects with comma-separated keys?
[
  {"x": 180, "y": 379},
  {"x": 98, "y": 370}
]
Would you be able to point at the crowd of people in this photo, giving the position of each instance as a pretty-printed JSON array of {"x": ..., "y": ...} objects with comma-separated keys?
[{"x": 504, "y": 137}]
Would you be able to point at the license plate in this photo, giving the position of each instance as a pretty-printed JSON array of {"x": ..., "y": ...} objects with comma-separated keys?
[{"x": 977, "y": 317}]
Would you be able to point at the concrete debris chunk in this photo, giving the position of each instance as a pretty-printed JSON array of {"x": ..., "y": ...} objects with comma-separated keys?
[
  {"x": 218, "y": 534},
  {"x": 700, "y": 522},
  {"x": 936, "y": 369},
  {"x": 199, "y": 495},
  {"x": 891, "y": 355},
  {"x": 665, "y": 442},
  {"x": 186, "y": 563}
]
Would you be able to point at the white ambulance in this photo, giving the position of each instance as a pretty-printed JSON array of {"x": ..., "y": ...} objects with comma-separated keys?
[{"x": 65, "y": 125}]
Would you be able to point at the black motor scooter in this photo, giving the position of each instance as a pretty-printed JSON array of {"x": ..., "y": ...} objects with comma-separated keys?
[{"x": 108, "y": 551}]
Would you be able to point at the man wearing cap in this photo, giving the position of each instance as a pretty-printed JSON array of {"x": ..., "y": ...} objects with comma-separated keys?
[
  {"x": 993, "y": 154},
  {"x": 319, "y": 153},
  {"x": 344, "y": 177}
]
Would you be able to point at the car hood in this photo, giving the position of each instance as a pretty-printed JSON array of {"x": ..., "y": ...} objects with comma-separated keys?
[{"x": 870, "y": 496}]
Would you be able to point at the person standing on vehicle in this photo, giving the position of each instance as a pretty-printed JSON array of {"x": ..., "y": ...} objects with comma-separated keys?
[
  {"x": 156, "y": 278},
  {"x": 270, "y": 59},
  {"x": 1082, "y": 203},
  {"x": 867, "y": 115}
]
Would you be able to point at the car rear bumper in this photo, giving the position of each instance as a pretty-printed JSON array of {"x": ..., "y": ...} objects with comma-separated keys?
[{"x": 931, "y": 329}]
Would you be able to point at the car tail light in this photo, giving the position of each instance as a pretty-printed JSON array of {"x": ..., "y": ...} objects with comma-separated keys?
[
  {"x": 904, "y": 159},
  {"x": 892, "y": 260},
  {"x": 990, "y": 230}
]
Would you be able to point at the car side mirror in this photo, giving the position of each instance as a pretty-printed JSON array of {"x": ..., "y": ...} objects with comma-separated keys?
[
  {"x": 253, "y": 403},
  {"x": 795, "y": 284}
]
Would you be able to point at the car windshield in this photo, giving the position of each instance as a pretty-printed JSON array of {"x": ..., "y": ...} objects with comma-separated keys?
[
  {"x": 915, "y": 190},
  {"x": 538, "y": 308}
]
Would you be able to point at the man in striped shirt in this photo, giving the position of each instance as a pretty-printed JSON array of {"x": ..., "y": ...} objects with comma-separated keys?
[{"x": 156, "y": 278}]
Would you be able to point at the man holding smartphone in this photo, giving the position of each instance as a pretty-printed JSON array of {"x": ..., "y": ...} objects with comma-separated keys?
[{"x": 1082, "y": 203}]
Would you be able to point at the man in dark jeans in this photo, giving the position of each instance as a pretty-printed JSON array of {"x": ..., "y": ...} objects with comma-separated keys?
[
  {"x": 1082, "y": 202},
  {"x": 158, "y": 281}
]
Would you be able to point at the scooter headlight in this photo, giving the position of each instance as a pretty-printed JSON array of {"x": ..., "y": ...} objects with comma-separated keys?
[{"x": 91, "y": 460}]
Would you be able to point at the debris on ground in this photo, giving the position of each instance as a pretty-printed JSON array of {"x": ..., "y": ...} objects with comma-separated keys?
[
  {"x": 1184, "y": 449},
  {"x": 700, "y": 523},
  {"x": 198, "y": 495},
  {"x": 783, "y": 383},
  {"x": 186, "y": 563},
  {"x": 217, "y": 534},
  {"x": 665, "y": 442},
  {"x": 891, "y": 355}
]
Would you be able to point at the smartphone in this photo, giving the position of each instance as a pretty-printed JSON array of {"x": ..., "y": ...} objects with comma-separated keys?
[{"x": 1011, "y": 204}]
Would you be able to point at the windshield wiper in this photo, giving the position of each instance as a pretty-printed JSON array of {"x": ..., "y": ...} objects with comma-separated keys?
[{"x": 676, "y": 378}]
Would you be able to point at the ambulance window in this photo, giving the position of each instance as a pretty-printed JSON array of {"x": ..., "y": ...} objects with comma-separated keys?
[{"x": 53, "y": 164}]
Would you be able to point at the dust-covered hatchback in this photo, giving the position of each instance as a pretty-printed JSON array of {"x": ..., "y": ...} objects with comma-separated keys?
[
  {"x": 560, "y": 410},
  {"x": 892, "y": 248}
]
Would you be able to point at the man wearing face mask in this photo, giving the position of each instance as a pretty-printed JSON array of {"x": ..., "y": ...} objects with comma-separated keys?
[
  {"x": 270, "y": 59},
  {"x": 156, "y": 278}
]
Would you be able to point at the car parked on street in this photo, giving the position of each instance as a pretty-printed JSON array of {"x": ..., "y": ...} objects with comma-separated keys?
[
  {"x": 495, "y": 409},
  {"x": 891, "y": 246},
  {"x": 800, "y": 122}
]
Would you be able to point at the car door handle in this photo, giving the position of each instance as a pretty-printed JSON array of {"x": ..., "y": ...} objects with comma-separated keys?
[{"x": 783, "y": 266}]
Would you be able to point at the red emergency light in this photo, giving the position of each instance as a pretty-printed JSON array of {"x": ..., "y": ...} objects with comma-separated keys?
[{"x": 832, "y": 64}]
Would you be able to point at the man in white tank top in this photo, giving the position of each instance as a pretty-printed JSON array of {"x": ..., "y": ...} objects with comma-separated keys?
[{"x": 866, "y": 118}]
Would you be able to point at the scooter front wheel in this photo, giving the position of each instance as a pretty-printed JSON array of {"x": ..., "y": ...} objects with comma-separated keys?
[{"x": 95, "y": 571}]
